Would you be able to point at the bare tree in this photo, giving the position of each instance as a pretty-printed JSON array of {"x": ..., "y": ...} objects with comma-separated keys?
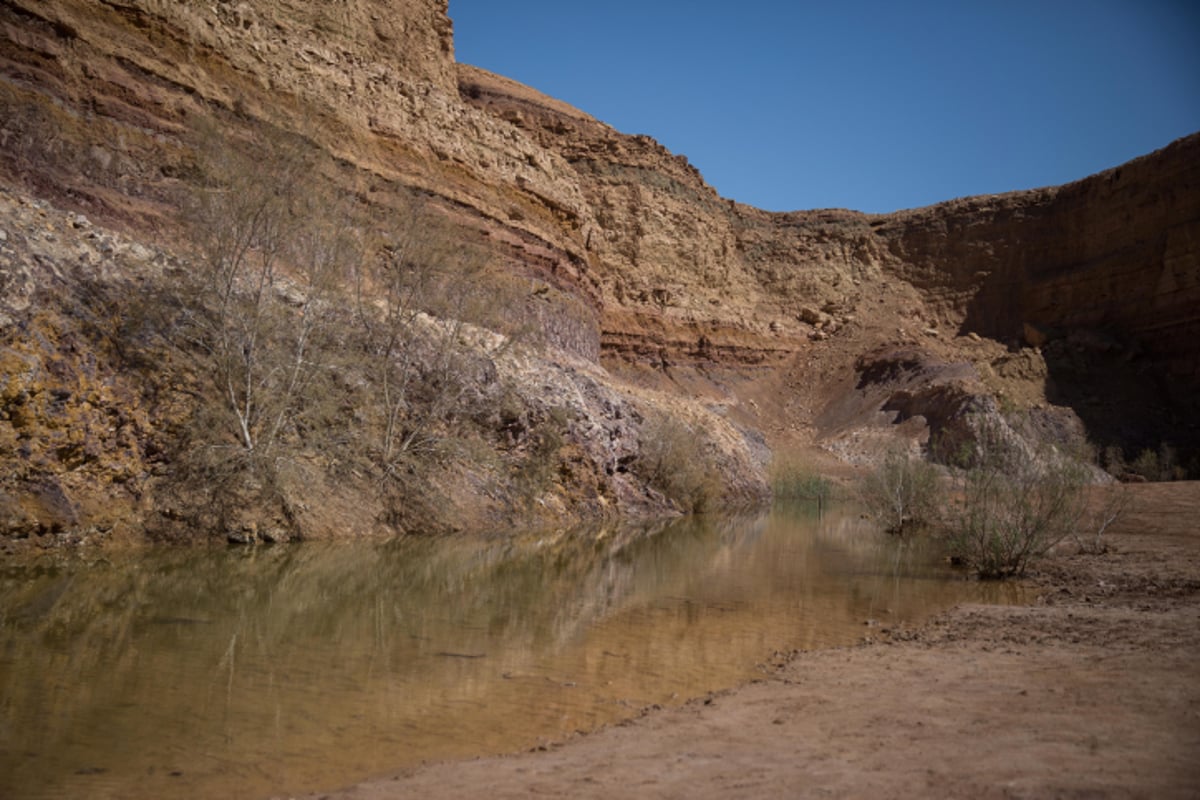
[
  {"x": 272, "y": 252},
  {"x": 423, "y": 303},
  {"x": 371, "y": 344},
  {"x": 902, "y": 493}
]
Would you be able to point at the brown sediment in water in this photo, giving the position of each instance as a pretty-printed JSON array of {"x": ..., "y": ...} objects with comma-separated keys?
[{"x": 216, "y": 672}]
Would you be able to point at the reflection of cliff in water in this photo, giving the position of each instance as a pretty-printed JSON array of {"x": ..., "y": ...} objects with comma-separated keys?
[{"x": 292, "y": 668}]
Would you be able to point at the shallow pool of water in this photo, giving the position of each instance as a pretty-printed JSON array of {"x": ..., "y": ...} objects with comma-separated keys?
[{"x": 249, "y": 672}]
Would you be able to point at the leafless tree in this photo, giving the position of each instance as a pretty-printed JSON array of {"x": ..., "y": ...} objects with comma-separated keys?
[
  {"x": 273, "y": 249},
  {"x": 424, "y": 303}
]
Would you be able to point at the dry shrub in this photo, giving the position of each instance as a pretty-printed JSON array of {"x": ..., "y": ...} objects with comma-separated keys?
[
  {"x": 673, "y": 460},
  {"x": 313, "y": 332},
  {"x": 1005, "y": 504},
  {"x": 1158, "y": 465},
  {"x": 1105, "y": 506},
  {"x": 902, "y": 493},
  {"x": 257, "y": 308},
  {"x": 541, "y": 447},
  {"x": 1012, "y": 504}
]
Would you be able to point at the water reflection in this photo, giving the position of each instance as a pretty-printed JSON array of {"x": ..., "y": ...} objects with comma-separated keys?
[{"x": 251, "y": 671}]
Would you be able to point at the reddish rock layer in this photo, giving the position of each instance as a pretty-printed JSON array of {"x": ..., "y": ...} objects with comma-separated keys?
[{"x": 650, "y": 270}]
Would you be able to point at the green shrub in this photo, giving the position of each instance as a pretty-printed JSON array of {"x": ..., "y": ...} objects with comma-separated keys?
[
  {"x": 802, "y": 487},
  {"x": 794, "y": 476},
  {"x": 1158, "y": 465},
  {"x": 793, "y": 482},
  {"x": 1113, "y": 461},
  {"x": 542, "y": 447}
]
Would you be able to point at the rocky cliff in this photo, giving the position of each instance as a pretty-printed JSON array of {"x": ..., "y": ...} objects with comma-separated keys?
[
  {"x": 1116, "y": 251},
  {"x": 1079, "y": 299},
  {"x": 1096, "y": 280}
]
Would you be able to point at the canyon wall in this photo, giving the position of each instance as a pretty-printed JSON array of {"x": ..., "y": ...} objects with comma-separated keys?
[
  {"x": 98, "y": 98},
  {"x": 100, "y": 102},
  {"x": 1082, "y": 296},
  {"x": 689, "y": 277},
  {"x": 1118, "y": 252}
]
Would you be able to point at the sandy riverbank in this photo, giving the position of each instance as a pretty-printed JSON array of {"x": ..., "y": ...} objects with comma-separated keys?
[{"x": 1093, "y": 690}]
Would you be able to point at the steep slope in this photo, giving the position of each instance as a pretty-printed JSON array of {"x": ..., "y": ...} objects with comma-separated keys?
[
  {"x": 99, "y": 100},
  {"x": 1078, "y": 300},
  {"x": 1098, "y": 280}
]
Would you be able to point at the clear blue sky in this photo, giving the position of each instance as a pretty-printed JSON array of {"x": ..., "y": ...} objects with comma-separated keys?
[{"x": 873, "y": 106}]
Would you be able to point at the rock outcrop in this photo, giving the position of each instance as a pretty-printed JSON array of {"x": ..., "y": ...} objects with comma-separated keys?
[
  {"x": 1117, "y": 252},
  {"x": 1081, "y": 297},
  {"x": 93, "y": 410}
]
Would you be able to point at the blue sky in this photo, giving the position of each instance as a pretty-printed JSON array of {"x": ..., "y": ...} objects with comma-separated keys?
[{"x": 873, "y": 106}]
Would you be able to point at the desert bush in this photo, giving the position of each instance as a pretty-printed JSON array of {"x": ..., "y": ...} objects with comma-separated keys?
[
  {"x": 673, "y": 461},
  {"x": 1105, "y": 506},
  {"x": 801, "y": 486},
  {"x": 247, "y": 326},
  {"x": 542, "y": 445},
  {"x": 792, "y": 479},
  {"x": 1112, "y": 460},
  {"x": 1158, "y": 465},
  {"x": 1012, "y": 504},
  {"x": 424, "y": 302},
  {"x": 305, "y": 328},
  {"x": 1150, "y": 464},
  {"x": 902, "y": 493}
]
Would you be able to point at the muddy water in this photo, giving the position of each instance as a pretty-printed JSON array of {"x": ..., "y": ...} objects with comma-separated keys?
[{"x": 249, "y": 672}]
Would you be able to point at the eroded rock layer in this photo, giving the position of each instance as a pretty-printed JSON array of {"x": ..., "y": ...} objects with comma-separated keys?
[{"x": 1082, "y": 297}]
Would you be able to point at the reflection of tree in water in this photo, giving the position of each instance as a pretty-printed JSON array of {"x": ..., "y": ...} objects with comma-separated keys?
[
  {"x": 363, "y": 654},
  {"x": 289, "y": 595},
  {"x": 167, "y": 633}
]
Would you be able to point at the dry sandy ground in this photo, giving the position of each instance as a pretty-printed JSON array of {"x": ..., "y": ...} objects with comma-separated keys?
[{"x": 1091, "y": 691}]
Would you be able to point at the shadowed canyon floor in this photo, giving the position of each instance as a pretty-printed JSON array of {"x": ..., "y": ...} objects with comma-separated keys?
[{"x": 1090, "y": 691}]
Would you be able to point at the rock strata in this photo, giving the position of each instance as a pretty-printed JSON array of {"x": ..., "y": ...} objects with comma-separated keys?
[{"x": 1079, "y": 299}]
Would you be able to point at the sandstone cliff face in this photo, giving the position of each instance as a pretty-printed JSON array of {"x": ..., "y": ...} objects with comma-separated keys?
[
  {"x": 688, "y": 278},
  {"x": 685, "y": 276},
  {"x": 632, "y": 261},
  {"x": 98, "y": 98},
  {"x": 674, "y": 270},
  {"x": 1100, "y": 277},
  {"x": 1116, "y": 251}
]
